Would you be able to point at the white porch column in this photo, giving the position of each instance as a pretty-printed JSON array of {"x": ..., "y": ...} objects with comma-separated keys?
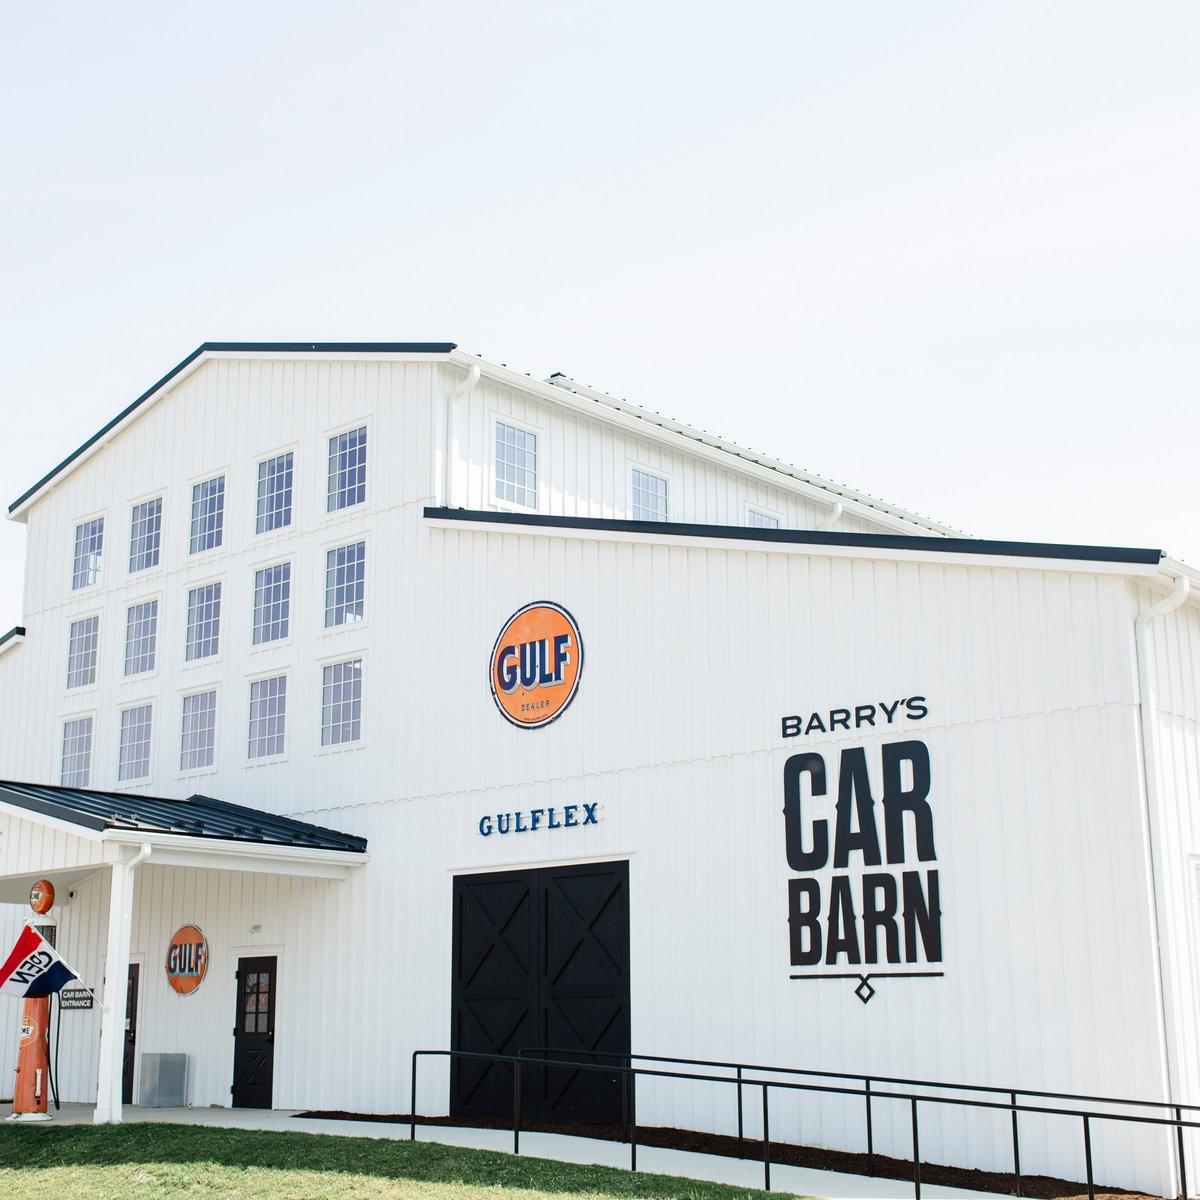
[{"x": 116, "y": 972}]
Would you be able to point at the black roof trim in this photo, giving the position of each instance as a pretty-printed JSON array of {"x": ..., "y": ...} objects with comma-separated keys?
[
  {"x": 201, "y": 817},
  {"x": 238, "y": 348},
  {"x": 808, "y": 537},
  {"x": 15, "y": 631}
]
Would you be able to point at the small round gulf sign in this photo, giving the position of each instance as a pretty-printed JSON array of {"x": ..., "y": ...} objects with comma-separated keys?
[
  {"x": 536, "y": 664},
  {"x": 187, "y": 960}
]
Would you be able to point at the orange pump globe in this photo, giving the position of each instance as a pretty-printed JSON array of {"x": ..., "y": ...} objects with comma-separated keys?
[{"x": 41, "y": 897}]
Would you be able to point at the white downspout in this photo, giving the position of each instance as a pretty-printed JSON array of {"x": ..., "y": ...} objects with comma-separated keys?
[
  {"x": 463, "y": 388},
  {"x": 1155, "y": 836},
  {"x": 835, "y": 515},
  {"x": 116, "y": 971}
]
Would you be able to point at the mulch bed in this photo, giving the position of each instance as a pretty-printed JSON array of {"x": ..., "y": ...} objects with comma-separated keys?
[{"x": 1041, "y": 1187}]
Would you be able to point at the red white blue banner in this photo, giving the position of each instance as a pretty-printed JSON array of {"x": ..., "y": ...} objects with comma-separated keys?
[{"x": 34, "y": 968}]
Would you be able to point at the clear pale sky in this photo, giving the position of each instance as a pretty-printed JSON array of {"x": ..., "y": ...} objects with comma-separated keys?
[{"x": 947, "y": 253}]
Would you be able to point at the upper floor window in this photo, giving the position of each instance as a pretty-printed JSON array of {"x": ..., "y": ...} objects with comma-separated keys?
[
  {"x": 347, "y": 468},
  {"x": 760, "y": 520},
  {"x": 208, "y": 515},
  {"x": 345, "y": 576},
  {"x": 89, "y": 549},
  {"x": 649, "y": 496},
  {"x": 76, "y": 753},
  {"x": 133, "y": 761},
  {"x": 203, "y": 622},
  {"x": 274, "y": 493},
  {"x": 141, "y": 637},
  {"x": 341, "y": 703},
  {"x": 516, "y": 465},
  {"x": 81, "y": 652},
  {"x": 268, "y": 716},
  {"x": 272, "y": 602},
  {"x": 198, "y": 739},
  {"x": 144, "y": 535}
]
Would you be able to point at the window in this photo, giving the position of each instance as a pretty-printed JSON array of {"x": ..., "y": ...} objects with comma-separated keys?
[
  {"x": 144, "y": 535},
  {"x": 516, "y": 465},
  {"x": 203, "y": 622},
  {"x": 272, "y": 602},
  {"x": 268, "y": 712},
  {"x": 274, "y": 493},
  {"x": 347, "y": 469},
  {"x": 345, "y": 572},
  {"x": 77, "y": 753},
  {"x": 341, "y": 703},
  {"x": 134, "y": 760},
  {"x": 208, "y": 515},
  {"x": 199, "y": 737},
  {"x": 81, "y": 652},
  {"x": 758, "y": 520},
  {"x": 89, "y": 549},
  {"x": 141, "y": 635},
  {"x": 649, "y": 496}
]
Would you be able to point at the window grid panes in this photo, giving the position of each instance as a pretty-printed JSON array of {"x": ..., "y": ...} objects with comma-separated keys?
[
  {"x": 268, "y": 713},
  {"x": 649, "y": 497},
  {"x": 274, "y": 493},
  {"x": 762, "y": 521},
  {"x": 345, "y": 575},
  {"x": 134, "y": 759},
  {"x": 272, "y": 602},
  {"x": 341, "y": 703},
  {"x": 199, "y": 736},
  {"x": 203, "y": 622},
  {"x": 516, "y": 465},
  {"x": 208, "y": 515},
  {"x": 347, "y": 469},
  {"x": 81, "y": 652},
  {"x": 145, "y": 535},
  {"x": 77, "y": 753},
  {"x": 256, "y": 1002},
  {"x": 89, "y": 550},
  {"x": 141, "y": 637}
]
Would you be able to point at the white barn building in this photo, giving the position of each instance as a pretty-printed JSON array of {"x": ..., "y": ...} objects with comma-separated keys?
[{"x": 801, "y": 779}]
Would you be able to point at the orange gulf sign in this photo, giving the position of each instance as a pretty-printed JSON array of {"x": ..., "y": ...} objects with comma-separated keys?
[
  {"x": 536, "y": 664},
  {"x": 187, "y": 960}
]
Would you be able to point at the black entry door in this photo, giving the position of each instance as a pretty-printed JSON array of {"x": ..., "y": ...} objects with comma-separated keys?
[
  {"x": 254, "y": 1033},
  {"x": 131, "y": 1016},
  {"x": 541, "y": 959}
]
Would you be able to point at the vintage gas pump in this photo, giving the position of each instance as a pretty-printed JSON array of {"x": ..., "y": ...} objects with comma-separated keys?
[{"x": 33, "y": 1055}]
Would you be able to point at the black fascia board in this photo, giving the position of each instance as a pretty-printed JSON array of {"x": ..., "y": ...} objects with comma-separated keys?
[
  {"x": 62, "y": 812},
  {"x": 236, "y": 348},
  {"x": 807, "y": 537},
  {"x": 15, "y": 631}
]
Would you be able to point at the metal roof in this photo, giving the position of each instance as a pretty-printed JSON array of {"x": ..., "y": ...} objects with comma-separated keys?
[{"x": 201, "y": 817}]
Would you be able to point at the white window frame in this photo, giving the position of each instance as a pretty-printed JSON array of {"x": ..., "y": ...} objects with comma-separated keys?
[
  {"x": 658, "y": 473},
  {"x": 326, "y": 550},
  {"x": 297, "y": 495},
  {"x": 149, "y": 498},
  {"x": 539, "y": 488},
  {"x": 208, "y": 659},
  {"x": 288, "y": 717},
  {"x": 135, "y": 602},
  {"x": 137, "y": 780},
  {"x": 349, "y": 510},
  {"x": 82, "y": 688},
  {"x": 360, "y": 741},
  {"x": 288, "y": 560},
  {"x": 69, "y": 719},
  {"x": 190, "y": 487},
  {"x": 762, "y": 511},
  {"x": 99, "y": 580},
  {"x": 215, "y": 690}
]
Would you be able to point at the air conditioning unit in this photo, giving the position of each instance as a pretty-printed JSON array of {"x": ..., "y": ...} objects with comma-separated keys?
[{"x": 164, "y": 1081}]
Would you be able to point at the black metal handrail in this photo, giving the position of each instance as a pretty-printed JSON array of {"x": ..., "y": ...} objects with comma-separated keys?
[{"x": 631, "y": 1074}]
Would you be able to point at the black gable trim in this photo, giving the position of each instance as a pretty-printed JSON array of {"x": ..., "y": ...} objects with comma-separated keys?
[
  {"x": 15, "y": 631},
  {"x": 807, "y": 537},
  {"x": 234, "y": 348}
]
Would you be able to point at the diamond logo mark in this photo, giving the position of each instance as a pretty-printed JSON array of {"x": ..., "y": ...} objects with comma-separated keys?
[{"x": 864, "y": 991}]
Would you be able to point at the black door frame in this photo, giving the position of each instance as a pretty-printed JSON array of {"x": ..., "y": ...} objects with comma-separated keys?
[
  {"x": 250, "y": 954},
  {"x": 129, "y": 1072}
]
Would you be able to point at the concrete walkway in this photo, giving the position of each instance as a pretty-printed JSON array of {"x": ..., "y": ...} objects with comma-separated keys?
[{"x": 799, "y": 1181}]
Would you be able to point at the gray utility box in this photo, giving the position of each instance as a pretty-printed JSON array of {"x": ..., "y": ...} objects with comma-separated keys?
[{"x": 164, "y": 1081}]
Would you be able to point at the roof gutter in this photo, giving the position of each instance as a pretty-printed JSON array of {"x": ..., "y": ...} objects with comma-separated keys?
[
  {"x": 463, "y": 388},
  {"x": 1152, "y": 816}
]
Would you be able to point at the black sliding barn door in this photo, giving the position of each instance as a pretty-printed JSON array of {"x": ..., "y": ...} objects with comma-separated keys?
[{"x": 541, "y": 958}]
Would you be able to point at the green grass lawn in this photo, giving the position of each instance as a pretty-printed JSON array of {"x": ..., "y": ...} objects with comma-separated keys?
[{"x": 89, "y": 1162}]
